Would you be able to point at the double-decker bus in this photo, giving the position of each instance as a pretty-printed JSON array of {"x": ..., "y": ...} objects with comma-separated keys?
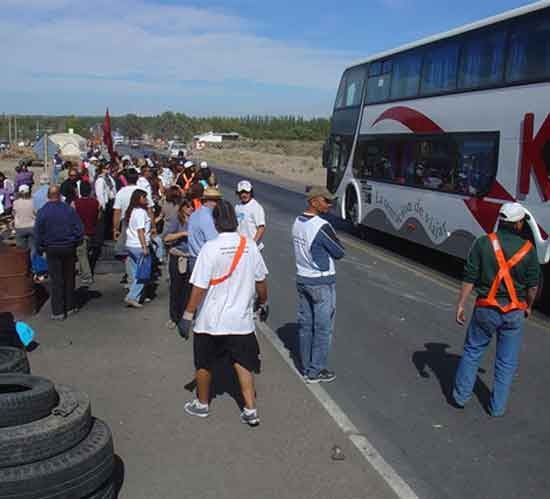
[{"x": 429, "y": 140}]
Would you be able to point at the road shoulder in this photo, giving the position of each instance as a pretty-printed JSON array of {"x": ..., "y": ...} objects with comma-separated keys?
[{"x": 135, "y": 371}]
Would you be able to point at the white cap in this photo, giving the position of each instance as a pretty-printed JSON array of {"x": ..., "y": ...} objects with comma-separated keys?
[
  {"x": 512, "y": 212},
  {"x": 126, "y": 158},
  {"x": 244, "y": 185},
  {"x": 23, "y": 189},
  {"x": 204, "y": 164},
  {"x": 188, "y": 164},
  {"x": 93, "y": 158}
]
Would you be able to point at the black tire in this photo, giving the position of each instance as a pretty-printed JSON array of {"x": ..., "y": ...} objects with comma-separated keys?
[
  {"x": 13, "y": 360},
  {"x": 73, "y": 474},
  {"x": 24, "y": 399},
  {"x": 107, "y": 491},
  {"x": 352, "y": 210},
  {"x": 65, "y": 427}
]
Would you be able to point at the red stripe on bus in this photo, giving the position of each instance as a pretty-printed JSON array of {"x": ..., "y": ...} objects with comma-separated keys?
[
  {"x": 412, "y": 119},
  {"x": 485, "y": 212},
  {"x": 499, "y": 192}
]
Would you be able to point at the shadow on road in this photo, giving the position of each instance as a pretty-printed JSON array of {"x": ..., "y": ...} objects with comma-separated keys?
[
  {"x": 41, "y": 296},
  {"x": 444, "y": 365},
  {"x": 288, "y": 334},
  {"x": 84, "y": 294}
]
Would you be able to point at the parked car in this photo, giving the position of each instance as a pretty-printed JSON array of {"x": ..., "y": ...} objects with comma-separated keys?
[{"x": 176, "y": 148}]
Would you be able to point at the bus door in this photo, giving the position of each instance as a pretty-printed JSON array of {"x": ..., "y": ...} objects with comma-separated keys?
[
  {"x": 343, "y": 125},
  {"x": 336, "y": 155}
]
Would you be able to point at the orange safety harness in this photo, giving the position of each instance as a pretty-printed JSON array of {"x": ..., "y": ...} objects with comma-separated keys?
[
  {"x": 188, "y": 181},
  {"x": 234, "y": 263},
  {"x": 504, "y": 274}
]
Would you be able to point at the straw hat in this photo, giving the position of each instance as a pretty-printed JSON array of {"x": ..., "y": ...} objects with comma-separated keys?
[{"x": 211, "y": 193}]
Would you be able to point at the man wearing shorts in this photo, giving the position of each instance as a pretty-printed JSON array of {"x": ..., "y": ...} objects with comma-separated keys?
[{"x": 228, "y": 274}]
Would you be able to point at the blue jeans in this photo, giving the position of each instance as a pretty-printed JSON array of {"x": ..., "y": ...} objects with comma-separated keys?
[
  {"x": 316, "y": 313},
  {"x": 136, "y": 288},
  {"x": 508, "y": 329},
  {"x": 24, "y": 238}
]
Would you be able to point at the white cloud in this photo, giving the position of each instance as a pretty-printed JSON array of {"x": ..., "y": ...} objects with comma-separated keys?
[{"x": 148, "y": 48}]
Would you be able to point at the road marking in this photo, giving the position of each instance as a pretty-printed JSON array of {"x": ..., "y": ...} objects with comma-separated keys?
[
  {"x": 365, "y": 247},
  {"x": 361, "y": 442}
]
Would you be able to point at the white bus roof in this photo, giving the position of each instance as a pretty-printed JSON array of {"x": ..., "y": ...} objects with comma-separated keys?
[{"x": 457, "y": 31}]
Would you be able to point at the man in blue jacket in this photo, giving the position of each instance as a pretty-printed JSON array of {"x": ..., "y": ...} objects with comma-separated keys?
[
  {"x": 58, "y": 231},
  {"x": 316, "y": 246}
]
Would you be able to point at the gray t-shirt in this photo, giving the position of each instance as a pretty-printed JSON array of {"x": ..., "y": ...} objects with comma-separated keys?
[{"x": 174, "y": 226}]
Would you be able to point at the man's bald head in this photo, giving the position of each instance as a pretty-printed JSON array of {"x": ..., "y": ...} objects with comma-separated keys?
[{"x": 54, "y": 194}]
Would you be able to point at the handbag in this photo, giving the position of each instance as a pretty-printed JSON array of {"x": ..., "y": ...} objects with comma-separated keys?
[
  {"x": 143, "y": 271},
  {"x": 182, "y": 259}
]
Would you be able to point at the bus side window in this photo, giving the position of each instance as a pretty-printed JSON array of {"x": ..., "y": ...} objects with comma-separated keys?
[
  {"x": 378, "y": 83},
  {"x": 482, "y": 60},
  {"x": 440, "y": 68},
  {"x": 477, "y": 165},
  {"x": 406, "y": 75},
  {"x": 453, "y": 163},
  {"x": 529, "y": 53}
]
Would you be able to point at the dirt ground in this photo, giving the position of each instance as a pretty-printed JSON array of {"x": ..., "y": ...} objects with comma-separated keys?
[
  {"x": 295, "y": 161},
  {"x": 290, "y": 160}
]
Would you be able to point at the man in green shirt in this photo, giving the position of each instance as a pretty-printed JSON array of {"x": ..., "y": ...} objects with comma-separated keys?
[{"x": 504, "y": 271}]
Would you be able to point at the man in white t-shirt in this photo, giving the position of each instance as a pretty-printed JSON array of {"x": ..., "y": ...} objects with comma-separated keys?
[
  {"x": 228, "y": 274},
  {"x": 143, "y": 180},
  {"x": 250, "y": 214}
]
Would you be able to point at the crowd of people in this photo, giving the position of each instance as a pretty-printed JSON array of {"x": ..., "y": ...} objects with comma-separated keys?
[
  {"x": 172, "y": 212},
  {"x": 156, "y": 211}
]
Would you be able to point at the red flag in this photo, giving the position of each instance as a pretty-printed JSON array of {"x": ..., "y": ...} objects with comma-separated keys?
[{"x": 107, "y": 137}]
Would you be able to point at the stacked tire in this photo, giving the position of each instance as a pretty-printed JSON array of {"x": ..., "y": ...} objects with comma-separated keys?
[
  {"x": 14, "y": 360},
  {"x": 50, "y": 445}
]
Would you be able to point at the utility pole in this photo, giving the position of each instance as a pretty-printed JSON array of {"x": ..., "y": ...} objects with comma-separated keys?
[
  {"x": 46, "y": 139},
  {"x": 9, "y": 129}
]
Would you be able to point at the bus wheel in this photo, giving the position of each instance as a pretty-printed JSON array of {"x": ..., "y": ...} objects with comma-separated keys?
[{"x": 352, "y": 210}]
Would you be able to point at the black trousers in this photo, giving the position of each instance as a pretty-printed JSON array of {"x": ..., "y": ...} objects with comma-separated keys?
[
  {"x": 61, "y": 264},
  {"x": 107, "y": 217},
  {"x": 179, "y": 289}
]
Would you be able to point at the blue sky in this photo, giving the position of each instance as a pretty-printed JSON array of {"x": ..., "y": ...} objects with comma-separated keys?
[{"x": 228, "y": 57}]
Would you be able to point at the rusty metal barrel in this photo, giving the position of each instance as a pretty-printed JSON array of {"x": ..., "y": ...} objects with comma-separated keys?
[{"x": 17, "y": 293}]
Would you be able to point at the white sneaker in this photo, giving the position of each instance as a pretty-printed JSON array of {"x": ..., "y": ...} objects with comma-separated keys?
[
  {"x": 250, "y": 418},
  {"x": 132, "y": 303},
  {"x": 195, "y": 408}
]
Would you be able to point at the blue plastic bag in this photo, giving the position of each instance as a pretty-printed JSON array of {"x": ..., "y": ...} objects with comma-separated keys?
[
  {"x": 39, "y": 264},
  {"x": 143, "y": 271},
  {"x": 25, "y": 332}
]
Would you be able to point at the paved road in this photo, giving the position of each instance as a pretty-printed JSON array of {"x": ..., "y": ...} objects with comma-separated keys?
[
  {"x": 395, "y": 353},
  {"x": 135, "y": 372}
]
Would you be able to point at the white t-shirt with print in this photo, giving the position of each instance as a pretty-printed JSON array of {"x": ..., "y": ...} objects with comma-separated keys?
[
  {"x": 138, "y": 220},
  {"x": 250, "y": 216},
  {"x": 227, "y": 307}
]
